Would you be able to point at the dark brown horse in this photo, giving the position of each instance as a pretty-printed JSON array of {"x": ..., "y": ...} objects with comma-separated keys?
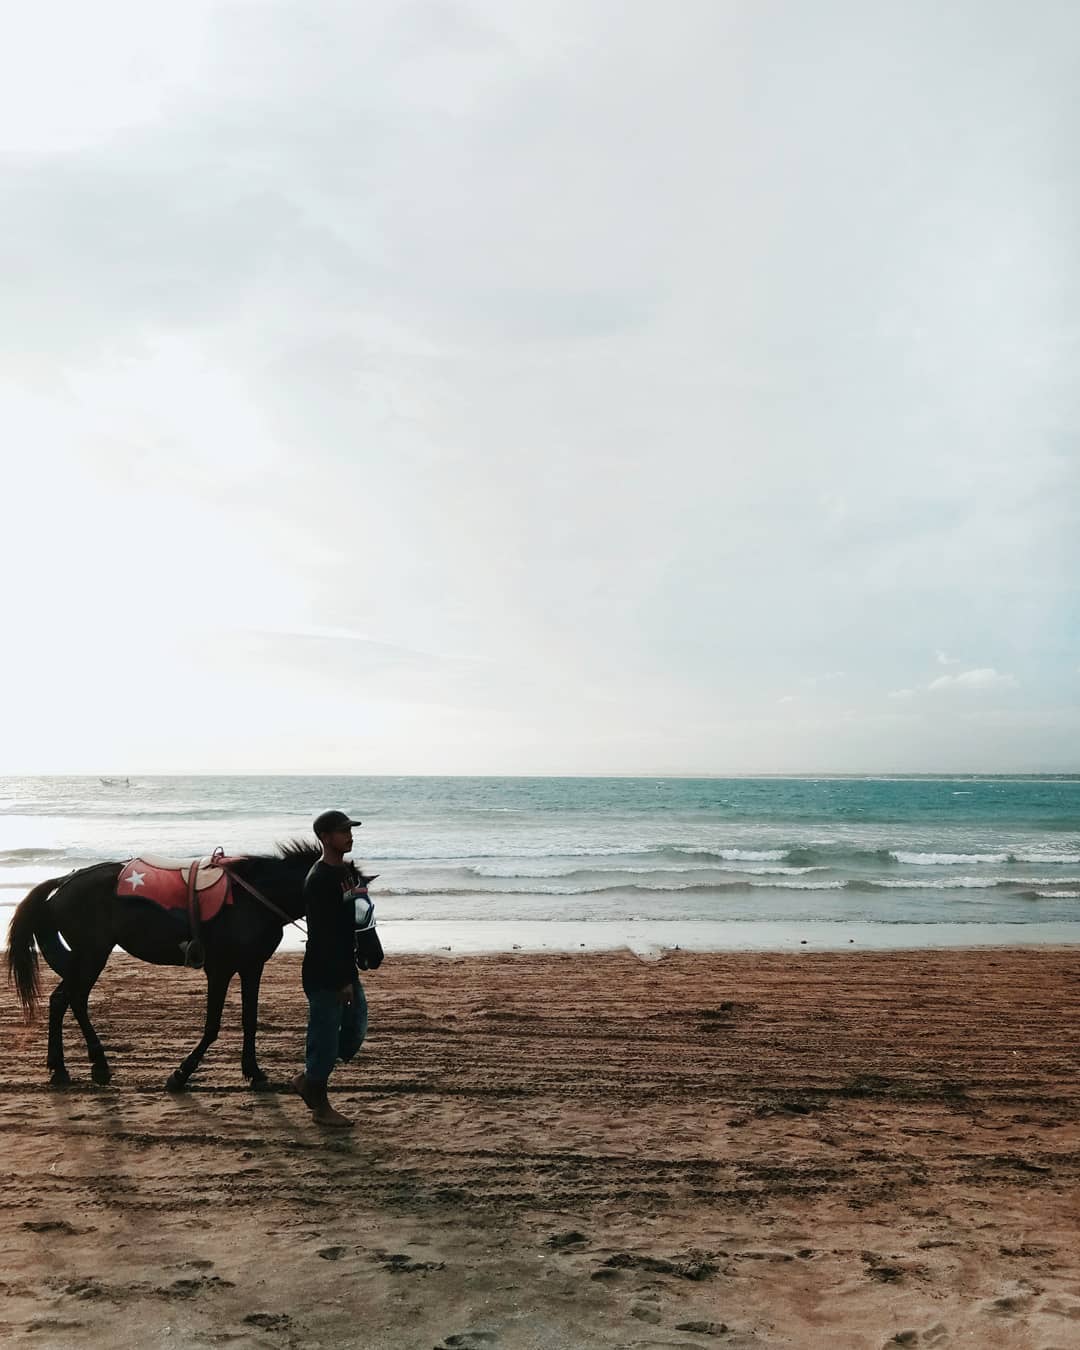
[{"x": 77, "y": 920}]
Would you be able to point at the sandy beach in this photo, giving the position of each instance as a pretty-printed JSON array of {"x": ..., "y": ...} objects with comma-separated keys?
[{"x": 731, "y": 1150}]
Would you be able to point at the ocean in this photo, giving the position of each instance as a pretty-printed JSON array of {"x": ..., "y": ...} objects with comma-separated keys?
[{"x": 474, "y": 864}]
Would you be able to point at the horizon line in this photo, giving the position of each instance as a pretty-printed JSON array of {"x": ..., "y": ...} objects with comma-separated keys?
[{"x": 678, "y": 776}]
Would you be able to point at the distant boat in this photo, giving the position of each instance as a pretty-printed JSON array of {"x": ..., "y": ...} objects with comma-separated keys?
[{"x": 115, "y": 782}]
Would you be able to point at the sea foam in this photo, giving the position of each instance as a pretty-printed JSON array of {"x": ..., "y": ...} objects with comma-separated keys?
[{"x": 946, "y": 859}]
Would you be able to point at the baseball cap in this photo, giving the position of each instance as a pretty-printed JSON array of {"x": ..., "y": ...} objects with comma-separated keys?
[{"x": 333, "y": 820}]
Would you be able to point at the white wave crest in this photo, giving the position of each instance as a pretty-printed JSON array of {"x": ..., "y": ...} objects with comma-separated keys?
[
  {"x": 802, "y": 885},
  {"x": 752, "y": 854},
  {"x": 524, "y": 871},
  {"x": 543, "y": 871},
  {"x": 946, "y": 859},
  {"x": 763, "y": 870},
  {"x": 960, "y": 883},
  {"x": 941, "y": 883},
  {"x": 1058, "y": 895}
]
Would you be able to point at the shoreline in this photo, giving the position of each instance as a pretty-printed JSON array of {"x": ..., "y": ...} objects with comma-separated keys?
[
  {"x": 652, "y": 938},
  {"x": 657, "y": 937},
  {"x": 848, "y": 1148}
]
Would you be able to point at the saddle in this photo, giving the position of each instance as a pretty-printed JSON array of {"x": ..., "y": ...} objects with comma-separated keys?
[{"x": 195, "y": 887}]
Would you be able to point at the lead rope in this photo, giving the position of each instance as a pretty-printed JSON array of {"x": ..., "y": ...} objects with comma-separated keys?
[{"x": 217, "y": 860}]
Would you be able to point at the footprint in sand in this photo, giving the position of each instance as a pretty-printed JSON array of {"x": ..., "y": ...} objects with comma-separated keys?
[
  {"x": 693, "y": 1265},
  {"x": 90, "y": 1291},
  {"x": 1008, "y": 1304},
  {"x": 468, "y": 1340},
  {"x": 199, "y": 1284},
  {"x": 400, "y": 1263},
  {"x": 268, "y": 1321},
  {"x": 1060, "y": 1308}
]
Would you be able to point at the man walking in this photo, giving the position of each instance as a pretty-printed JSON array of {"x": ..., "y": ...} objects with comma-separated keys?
[{"x": 341, "y": 936}]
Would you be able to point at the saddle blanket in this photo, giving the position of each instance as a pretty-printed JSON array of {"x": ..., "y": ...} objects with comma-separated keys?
[{"x": 165, "y": 882}]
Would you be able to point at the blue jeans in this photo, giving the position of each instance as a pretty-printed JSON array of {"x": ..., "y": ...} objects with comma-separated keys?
[{"x": 335, "y": 1030}]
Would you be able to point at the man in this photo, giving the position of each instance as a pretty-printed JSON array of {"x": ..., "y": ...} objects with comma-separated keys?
[{"x": 340, "y": 928}]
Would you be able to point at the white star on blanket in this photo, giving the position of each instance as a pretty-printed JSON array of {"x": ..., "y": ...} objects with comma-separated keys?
[{"x": 136, "y": 880}]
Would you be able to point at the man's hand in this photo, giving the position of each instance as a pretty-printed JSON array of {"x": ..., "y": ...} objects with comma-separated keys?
[{"x": 345, "y": 995}]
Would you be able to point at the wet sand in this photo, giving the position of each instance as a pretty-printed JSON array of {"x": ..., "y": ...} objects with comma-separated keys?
[{"x": 736, "y": 1150}]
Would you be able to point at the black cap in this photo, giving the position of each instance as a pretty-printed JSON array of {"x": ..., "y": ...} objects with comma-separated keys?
[{"x": 333, "y": 820}]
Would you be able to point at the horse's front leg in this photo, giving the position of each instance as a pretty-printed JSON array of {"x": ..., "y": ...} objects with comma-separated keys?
[
  {"x": 217, "y": 986},
  {"x": 250, "y": 979}
]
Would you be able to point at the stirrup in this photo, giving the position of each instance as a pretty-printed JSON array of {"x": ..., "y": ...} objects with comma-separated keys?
[{"x": 194, "y": 955}]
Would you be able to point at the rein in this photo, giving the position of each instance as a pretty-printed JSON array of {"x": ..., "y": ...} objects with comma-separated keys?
[{"x": 217, "y": 861}]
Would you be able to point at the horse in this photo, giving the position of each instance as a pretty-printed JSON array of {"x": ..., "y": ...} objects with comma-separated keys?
[{"x": 85, "y": 911}]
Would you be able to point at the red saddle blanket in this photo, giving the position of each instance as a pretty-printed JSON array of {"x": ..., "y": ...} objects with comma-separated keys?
[{"x": 165, "y": 881}]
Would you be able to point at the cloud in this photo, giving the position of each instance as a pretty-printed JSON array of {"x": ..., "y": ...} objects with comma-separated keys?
[
  {"x": 983, "y": 678},
  {"x": 519, "y": 361}
]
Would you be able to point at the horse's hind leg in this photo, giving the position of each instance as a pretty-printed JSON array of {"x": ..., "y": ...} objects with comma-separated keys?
[
  {"x": 58, "y": 1006},
  {"x": 80, "y": 980}
]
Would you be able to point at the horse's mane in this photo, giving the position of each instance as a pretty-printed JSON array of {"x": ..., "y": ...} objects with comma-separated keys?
[
  {"x": 292, "y": 850},
  {"x": 300, "y": 850}
]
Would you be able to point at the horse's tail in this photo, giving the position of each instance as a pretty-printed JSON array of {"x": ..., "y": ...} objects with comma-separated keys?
[{"x": 31, "y": 920}]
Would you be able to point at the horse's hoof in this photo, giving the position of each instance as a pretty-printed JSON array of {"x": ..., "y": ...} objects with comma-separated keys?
[
  {"x": 60, "y": 1078},
  {"x": 176, "y": 1082},
  {"x": 101, "y": 1074},
  {"x": 259, "y": 1081}
]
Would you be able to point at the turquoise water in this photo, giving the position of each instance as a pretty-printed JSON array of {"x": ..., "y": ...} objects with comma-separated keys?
[{"x": 460, "y": 851}]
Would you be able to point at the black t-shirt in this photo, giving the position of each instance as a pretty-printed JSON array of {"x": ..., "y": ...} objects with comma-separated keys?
[{"x": 330, "y": 961}]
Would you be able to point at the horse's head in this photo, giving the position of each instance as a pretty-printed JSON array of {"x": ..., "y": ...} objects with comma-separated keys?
[{"x": 280, "y": 876}]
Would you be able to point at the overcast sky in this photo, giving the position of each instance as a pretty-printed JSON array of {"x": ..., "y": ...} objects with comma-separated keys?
[{"x": 507, "y": 386}]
